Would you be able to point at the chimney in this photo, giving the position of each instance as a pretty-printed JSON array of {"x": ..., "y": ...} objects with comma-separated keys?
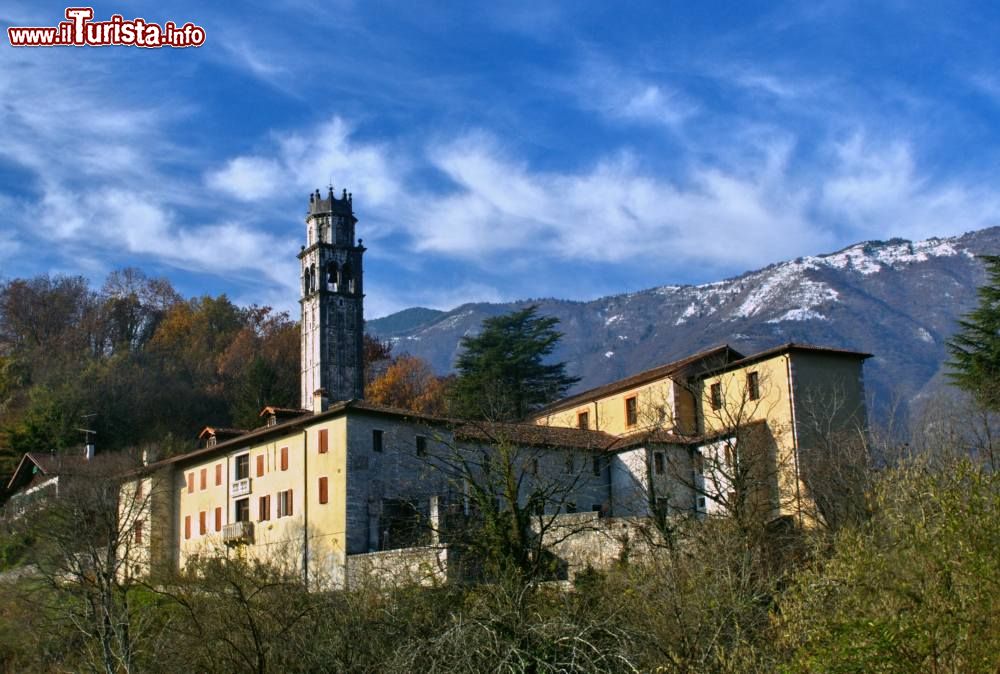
[
  {"x": 89, "y": 451},
  {"x": 320, "y": 401},
  {"x": 150, "y": 455}
]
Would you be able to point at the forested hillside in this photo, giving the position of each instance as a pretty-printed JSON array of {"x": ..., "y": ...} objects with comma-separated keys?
[{"x": 134, "y": 361}]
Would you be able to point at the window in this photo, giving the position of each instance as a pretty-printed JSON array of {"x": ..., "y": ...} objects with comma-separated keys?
[
  {"x": 138, "y": 491},
  {"x": 264, "y": 508},
  {"x": 202, "y": 526},
  {"x": 138, "y": 532},
  {"x": 203, "y": 482},
  {"x": 190, "y": 481},
  {"x": 631, "y": 411},
  {"x": 324, "y": 495},
  {"x": 324, "y": 440},
  {"x": 583, "y": 420},
  {"x": 260, "y": 465},
  {"x": 570, "y": 507},
  {"x": 376, "y": 440},
  {"x": 597, "y": 465},
  {"x": 753, "y": 386},
  {"x": 662, "y": 506},
  {"x": 242, "y": 466},
  {"x": 569, "y": 463},
  {"x": 285, "y": 503},
  {"x": 716, "y": 396},
  {"x": 284, "y": 458},
  {"x": 242, "y": 510},
  {"x": 534, "y": 466},
  {"x": 218, "y": 474},
  {"x": 187, "y": 527},
  {"x": 421, "y": 446},
  {"x": 658, "y": 463},
  {"x": 218, "y": 518}
]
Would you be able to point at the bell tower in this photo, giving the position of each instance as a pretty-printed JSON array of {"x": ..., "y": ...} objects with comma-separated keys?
[{"x": 332, "y": 301}]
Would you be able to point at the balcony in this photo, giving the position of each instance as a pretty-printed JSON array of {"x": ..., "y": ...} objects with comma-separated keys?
[
  {"x": 240, "y": 487},
  {"x": 237, "y": 533}
]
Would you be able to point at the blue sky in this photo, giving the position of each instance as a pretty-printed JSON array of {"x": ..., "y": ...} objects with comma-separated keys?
[{"x": 497, "y": 150}]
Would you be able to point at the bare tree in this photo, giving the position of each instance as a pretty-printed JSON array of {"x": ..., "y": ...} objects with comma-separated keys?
[{"x": 85, "y": 540}]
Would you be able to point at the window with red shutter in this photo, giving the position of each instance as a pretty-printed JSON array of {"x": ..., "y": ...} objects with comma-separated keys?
[
  {"x": 187, "y": 526},
  {"x": 323, "y": 441},
  {"x": 218, "y": 519},
  {"x": 204, "y": 479},
  {"x": 190, "y": 481},
  {"x": 202, "y": 526},
  {"x": 138, "y": 532},
  {"x": 218, "y": 474},
  {"x": 264, "y": 508},
  {"x": 323, "y": 495},
  {"x": 260, "y": 466},
  {"x": 284, "y": 458}
]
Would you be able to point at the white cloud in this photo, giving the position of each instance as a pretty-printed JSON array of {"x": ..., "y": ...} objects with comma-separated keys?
[
  {"x": 302, "y": 161},
  {"x": 613, "y": 212},
  {"x": 248, "y": 178},
  {"x": 877, "y": 189}
]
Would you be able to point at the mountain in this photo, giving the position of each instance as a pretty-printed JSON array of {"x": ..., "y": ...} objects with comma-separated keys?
[
  {"x": 403, "y": 321},
  {"x": 896, "y": 299}
]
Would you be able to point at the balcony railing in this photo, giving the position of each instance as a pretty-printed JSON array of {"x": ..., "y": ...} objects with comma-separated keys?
[
  {"x": 237, "y": 533},
  {"x": 240, "y": 487}
]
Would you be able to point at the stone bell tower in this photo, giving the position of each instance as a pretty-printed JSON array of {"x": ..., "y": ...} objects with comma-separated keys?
[{"x": 332, "y": 301}]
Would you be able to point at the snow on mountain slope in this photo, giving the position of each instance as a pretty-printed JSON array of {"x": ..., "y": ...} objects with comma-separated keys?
[{"x": 896, "y": 299}]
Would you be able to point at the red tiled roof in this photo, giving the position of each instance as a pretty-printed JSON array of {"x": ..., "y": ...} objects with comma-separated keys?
[
  {"x": 219, "y": 432},
  {"x": 533, "y": 435},
  {"x": 785, "y": 348},
  {"x": 284, "y": 411},
  {"x": 639, "y": 379}
]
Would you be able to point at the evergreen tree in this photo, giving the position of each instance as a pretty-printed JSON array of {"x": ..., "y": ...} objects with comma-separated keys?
[
  {"x": 501, "y": 373},
  {"x": 975, "y": 349}
]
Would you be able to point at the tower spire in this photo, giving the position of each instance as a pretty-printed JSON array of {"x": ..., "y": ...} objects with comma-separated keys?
[{"x": 332, "y": 301}]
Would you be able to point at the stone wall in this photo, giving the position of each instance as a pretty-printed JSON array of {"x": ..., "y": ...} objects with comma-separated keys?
[
  {"x": 585, "y": 539},
  {"x": 427, "y": 566}
]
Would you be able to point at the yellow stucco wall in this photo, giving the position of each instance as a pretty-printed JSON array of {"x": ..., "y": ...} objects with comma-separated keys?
[
  {"x": 654, "y": 407},
  {"x": 312, "y": 525}
]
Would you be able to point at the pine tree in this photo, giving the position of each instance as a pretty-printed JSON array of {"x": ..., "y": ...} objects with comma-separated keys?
[
  {"x": 975, "y": 348},
  {"x": 501, "y": 373}
]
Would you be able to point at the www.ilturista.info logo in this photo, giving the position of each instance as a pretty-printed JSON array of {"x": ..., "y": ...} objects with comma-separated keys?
[{"x": 80, "y": 31}]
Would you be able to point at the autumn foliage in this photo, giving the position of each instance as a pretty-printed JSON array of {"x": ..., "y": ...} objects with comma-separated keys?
[{"x": 408, "y": 383}]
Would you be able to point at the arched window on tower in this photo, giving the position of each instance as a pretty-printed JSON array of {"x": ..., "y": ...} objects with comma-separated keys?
[
  {"x": 312, "y": 278},
  {"x": 305, "y": 281},
  {"x": 347, "y": 278},
  {"x": 331, "y": 275}
]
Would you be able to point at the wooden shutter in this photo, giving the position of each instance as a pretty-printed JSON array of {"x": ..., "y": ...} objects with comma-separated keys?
[
  {"x": 138, "y": 532},
  {"x": 284, "y": 458},
  {"x": 187, "y": 526},
  {"x": 218, "y": 474},
  {"x": 289, "y": 497},
  {"x": 323, "y": 495},
  {"x": 204, "y": 479},
  {"x": 323, "y": 441},
  {"x": 218, "y": 519},
  {"x": 260, "y": 466},
  {"x": 202, "y": 526},
  {"x": 190, "y": 481}
]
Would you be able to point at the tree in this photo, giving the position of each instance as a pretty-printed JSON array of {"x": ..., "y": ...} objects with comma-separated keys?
[
  {"x": 975, "y": 348},
  {"x": 83, "y": 545},
  {"x": 501, "y": 373},
  {"x": 409, "y": 384},
  {"x": 915, "y": 589}
]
